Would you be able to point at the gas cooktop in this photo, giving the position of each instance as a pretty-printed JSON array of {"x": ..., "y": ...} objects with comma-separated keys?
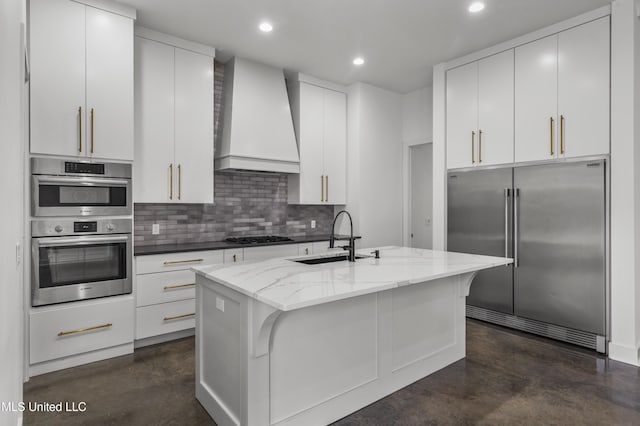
[{"x": 265, "y": 239}]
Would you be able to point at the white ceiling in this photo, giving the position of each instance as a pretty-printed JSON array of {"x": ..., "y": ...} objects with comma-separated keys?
[{"x": 401, "y": 40}]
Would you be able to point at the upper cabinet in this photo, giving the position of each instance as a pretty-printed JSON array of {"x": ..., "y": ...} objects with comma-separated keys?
[
  {"x": 174, "y": 120},
  {"x": 562, "y": 94},
  {"x": 81, "y": 81},
  {"x": 480, "y": 112},
  {"x": 320, "y": 122}
]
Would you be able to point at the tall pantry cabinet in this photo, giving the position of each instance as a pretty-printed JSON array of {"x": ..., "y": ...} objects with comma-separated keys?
[{"x": 81, "y": 80}]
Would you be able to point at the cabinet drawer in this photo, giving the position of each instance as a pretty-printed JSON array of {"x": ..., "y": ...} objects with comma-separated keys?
[
  {"x": 73, "y": 329},
  {"x": 305, "y": 249},
  {"x": 165, "y": 318},
  {"x": 270, "y": 252},
  {"x": 233, "y": 255},
  {"x": 176, "y": 261},
  {"x": 163, "y": 287},
  {"x": 321, "y": 247}
]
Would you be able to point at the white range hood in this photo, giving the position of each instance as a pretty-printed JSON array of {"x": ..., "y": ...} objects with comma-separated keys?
[{"x": 257, "y": 132}]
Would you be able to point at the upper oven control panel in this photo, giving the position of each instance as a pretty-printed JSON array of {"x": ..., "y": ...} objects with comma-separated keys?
[{"x": 60, "y": 227}]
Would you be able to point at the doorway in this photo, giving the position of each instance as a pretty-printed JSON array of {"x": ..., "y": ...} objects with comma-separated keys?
[{"x": 421, "y": 195}]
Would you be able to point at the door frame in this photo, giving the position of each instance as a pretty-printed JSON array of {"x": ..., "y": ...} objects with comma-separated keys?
[{"x": 406, "y": 190}]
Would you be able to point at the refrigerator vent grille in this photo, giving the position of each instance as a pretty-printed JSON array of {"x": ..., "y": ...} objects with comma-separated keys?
[{"x": 556, "y": 332}]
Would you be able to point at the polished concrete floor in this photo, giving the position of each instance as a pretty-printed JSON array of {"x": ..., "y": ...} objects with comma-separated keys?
[{"x": 507, "y": 378}]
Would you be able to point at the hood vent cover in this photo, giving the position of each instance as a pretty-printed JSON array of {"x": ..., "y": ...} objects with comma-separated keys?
[{"x": 257, "y": 132}]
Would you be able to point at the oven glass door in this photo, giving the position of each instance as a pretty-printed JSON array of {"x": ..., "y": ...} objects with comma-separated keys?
[
  {"x": 79, "y": 264},
  {"x": 67, "y": 269}
]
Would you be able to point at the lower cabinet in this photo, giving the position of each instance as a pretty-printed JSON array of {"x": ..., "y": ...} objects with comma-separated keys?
[
  {"x": 165, "y": 285},
  {"x": 165, "y": 318},
  {"x": 60, "y": 332},
  {"x": 165, "y": 292}
]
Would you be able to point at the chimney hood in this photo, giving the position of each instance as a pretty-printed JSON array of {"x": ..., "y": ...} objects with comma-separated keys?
[{"x": 257, "y": 127}]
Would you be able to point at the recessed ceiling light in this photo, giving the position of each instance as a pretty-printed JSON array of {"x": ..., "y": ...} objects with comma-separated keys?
[
  {"x": 265, "y": 27},
  {"x": 358, "y": 61},
  {"x": 476, "y": 7}
]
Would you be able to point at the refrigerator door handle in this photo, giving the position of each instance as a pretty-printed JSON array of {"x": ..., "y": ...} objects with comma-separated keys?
[
  {"x": 516, "y": 196},
  {"x": 507, "y": 193}
]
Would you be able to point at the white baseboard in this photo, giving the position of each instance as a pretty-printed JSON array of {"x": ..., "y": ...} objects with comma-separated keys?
[
  {"x": 75, "y": 360},
  {"x": 626, "y": 354}
]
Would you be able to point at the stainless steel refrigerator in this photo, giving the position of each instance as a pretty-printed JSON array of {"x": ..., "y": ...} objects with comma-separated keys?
[{"x": 551, "y": 219}]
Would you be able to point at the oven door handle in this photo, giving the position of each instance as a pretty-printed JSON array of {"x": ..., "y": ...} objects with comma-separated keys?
[
  {"x": 79, "y": 241},
  {"x": 85, "y": 181}
]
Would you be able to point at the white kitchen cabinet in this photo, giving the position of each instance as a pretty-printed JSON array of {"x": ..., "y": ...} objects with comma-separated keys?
[
  {"x": 319, "y": 116},
  {"x": 305, "y": 249},
  {"x": 495, "y": 109},
  {"x": 233, "y": 255},
  {"x": 73, "y": 329},
  {"x": 270, "y": 252},
  {"x": 583, "y": 89},
  {"x": 174, "y": 123},
  {"x": 462, "y": 116},
  {"x": 154, "y": 110},
  {"x": 81, "y": 81},
  {"x": 562, "y": 94},
  {"x": 536, "y": 100},
  {"x": 165, "y": 293},
  {"x": 480, "y": 112}
]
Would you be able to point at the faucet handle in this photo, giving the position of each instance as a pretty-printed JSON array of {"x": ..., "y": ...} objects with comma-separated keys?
[{"x": 376, "y": 253}]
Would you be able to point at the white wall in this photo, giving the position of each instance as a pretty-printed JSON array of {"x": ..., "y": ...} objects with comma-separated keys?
[
  {"x": 417, "y": 128},
  {"x": 625, "y": 183},
  {"x": 11, "y": 215},
  {"x": 417, "y": 116},
  {"x": 374, "y": 165}
]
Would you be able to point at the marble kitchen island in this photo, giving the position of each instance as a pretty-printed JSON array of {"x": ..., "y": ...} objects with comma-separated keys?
[{"x": 281, "y": 342}]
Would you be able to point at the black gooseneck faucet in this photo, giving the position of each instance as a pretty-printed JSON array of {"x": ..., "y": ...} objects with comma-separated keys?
[{"x": 352, "y": 242}]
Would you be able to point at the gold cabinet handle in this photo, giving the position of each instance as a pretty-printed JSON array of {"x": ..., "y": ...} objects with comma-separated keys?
[
  {"x": 171, "y": 181},
  {"x": 322, "y": 188},
  {"x": 235, "y": 258},
  {"x": 306, "y": 250},
  {"x": 179, "y": 182},
  {"x": 171, "y": 287},
  {"x": 473, "y": 141},
  {"x": 479, "y": 146},
  {"x": 326, "y": 191},
  {"x": 92, "y": 114},
  {"x": 82, "y": 330},
  {"x": 551, "y": 135},
  {"x": 179, "y": 316},
  {"x": 79, "y": 129},
  {"x": 561, "y": 134},
  {"x": 178, "y": 262}
]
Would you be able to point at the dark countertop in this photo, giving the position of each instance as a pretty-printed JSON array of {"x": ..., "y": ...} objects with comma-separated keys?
[{"x": 221, "y": 245}]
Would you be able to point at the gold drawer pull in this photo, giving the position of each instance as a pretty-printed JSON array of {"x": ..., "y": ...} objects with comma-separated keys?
[
  {"x": 170, "y": 287},
  {"x": 179, "y": 316},
  {"x": 82, "y": 330},
  {"x": 177, "y": 262}
]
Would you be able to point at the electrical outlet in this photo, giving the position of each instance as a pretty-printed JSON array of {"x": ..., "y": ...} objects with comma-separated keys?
[
  {"x": 313, "y": 224},
  {"x": 155, "y": 229},
  {"x": 220, "y": 304}
]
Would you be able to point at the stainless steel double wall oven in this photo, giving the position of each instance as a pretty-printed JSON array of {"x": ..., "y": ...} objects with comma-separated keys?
[{"x": 81, "y": 230}]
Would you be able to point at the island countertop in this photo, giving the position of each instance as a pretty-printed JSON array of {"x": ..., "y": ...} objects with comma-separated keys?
[{"x": 287, "y": 285}]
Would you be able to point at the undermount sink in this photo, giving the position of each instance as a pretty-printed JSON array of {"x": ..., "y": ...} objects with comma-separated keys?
[{"x": 327, "y": 259}]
